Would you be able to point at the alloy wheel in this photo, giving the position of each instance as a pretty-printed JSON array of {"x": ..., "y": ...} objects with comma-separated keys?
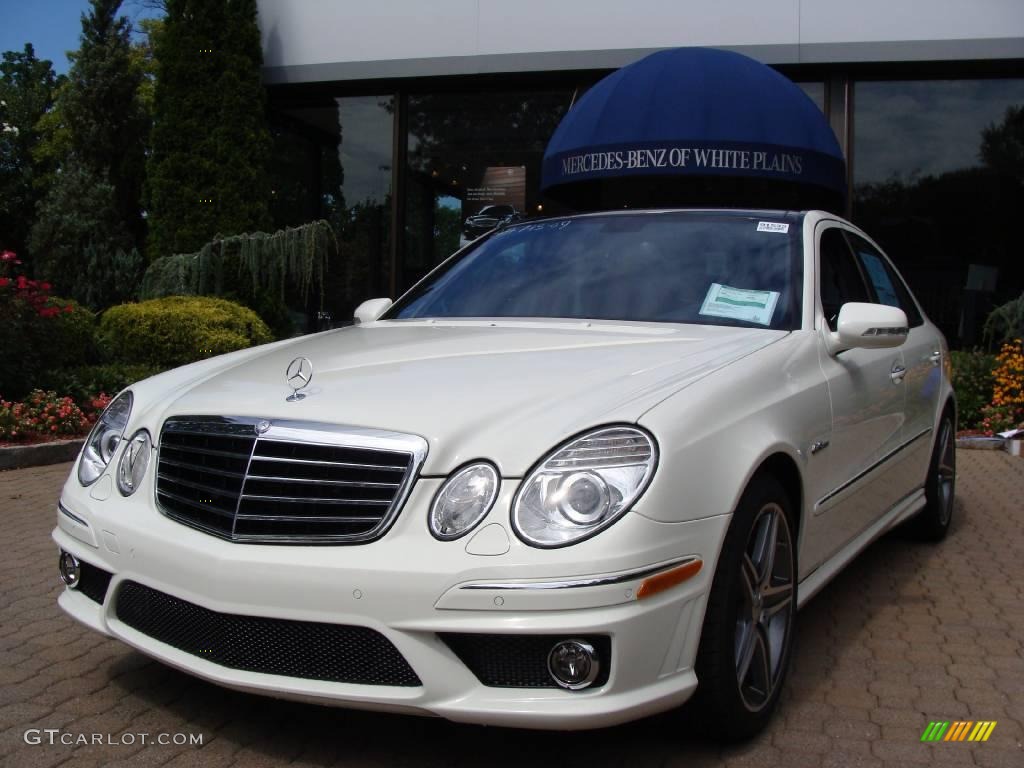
[
  {"x": 765, "y": 607},
  {"x": 946, "y": 470}
]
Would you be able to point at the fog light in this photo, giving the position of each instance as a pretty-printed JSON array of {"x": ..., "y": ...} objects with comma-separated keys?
[
  {"x": 70, "y": 573},
  {"x": 574, "y": 664}
]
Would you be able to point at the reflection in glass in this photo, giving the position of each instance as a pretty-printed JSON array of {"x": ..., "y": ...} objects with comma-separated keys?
[
  {"x": 473, "y": 162},
  {"x": 939, "y": 182},
  {"x": 700, "y": 268},
  {"x": 816, "y": 92},
  {"x": 333, "y": 160}
]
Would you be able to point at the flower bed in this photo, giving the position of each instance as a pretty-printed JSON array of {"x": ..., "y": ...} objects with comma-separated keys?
[{"x": 45, "y": 416}]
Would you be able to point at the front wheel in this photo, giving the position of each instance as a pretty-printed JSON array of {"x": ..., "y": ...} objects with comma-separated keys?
[
  {"x": 750, "y": 621},
  {"x": 932, "y": 523}
]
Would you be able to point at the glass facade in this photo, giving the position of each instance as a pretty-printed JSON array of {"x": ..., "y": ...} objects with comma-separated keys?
[
  {"x": 938, "y": 176},
  {"x": 405, "y": 177},
  {"x": 473, "y": 158},
  {"x": 333, "y": 161}
]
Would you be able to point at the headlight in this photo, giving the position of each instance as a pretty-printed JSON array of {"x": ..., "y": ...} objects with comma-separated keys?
[
  {"x": 463, "y": 501},
  {"x": 584, "y": 486},
  {"x": 104, "y": 439},
  {"x": 134, "y": 461}
]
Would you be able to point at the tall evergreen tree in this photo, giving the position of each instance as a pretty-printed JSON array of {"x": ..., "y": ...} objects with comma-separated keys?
[
  {"x": 108, "y": 124},
  {"x": 207, "y": 173},
  {"x": 92, "y": 215},
  {"x": 27, "y": 89}
]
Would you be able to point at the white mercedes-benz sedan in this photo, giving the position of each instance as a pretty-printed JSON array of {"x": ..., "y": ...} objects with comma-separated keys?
[{"x": 587, "y": 469}]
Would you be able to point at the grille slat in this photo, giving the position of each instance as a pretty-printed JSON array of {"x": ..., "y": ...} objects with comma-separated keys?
[
  {"x": 219, "y": 475},
  {"x": 304, "y": 649},
  {"x": 208, "y": 451},
  {"x": 347, "y": 483},
  {"x": 311, "y": 500},
  {"x": 347, "y": 464},
  {"x": 165, "y": 462},
  {"x": 196, "y": 504},
  {"x": 310, "y": 518},
  {"x": 198, "y": 486}
]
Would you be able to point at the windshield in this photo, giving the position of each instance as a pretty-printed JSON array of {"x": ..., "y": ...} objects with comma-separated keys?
[{"x": 676, "y": 267}]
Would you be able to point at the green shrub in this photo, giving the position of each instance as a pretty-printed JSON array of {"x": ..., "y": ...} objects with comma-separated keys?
[
  {"x": 177, "y": 330},
  {"x": 83, "y": 383},
  {"x": 70, "y": 336},
  {"x": 1005, "y": 323},
  {"x": 39, "y": 332},
  {"x": 972, "y": 382}
]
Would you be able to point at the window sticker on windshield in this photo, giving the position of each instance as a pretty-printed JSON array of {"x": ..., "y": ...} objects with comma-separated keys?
[
  {"x": 772, "y": 226},
  {"x": 740, "y": 304}
]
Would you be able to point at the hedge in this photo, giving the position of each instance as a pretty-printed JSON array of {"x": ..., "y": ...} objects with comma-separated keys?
[{"x": 176, "y": 330}]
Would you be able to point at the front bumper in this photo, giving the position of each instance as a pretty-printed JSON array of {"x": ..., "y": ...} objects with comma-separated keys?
[{"x": 412, "y": 588}]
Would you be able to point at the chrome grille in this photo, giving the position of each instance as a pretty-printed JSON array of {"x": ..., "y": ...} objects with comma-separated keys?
[{"x": 293, "y": 482}]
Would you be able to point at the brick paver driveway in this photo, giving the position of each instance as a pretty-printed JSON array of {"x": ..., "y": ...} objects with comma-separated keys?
[{"x": 908, "y": 634}]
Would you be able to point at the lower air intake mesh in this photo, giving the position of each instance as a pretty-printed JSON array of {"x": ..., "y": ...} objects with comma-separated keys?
[{"x": 305, "y": 649}]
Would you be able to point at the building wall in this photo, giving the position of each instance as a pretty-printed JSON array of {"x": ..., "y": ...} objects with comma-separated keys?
[{"x": 317, "y": 40}]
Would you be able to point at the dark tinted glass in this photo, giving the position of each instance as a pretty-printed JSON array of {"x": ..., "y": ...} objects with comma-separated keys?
[
  {"x": 841, "y": 281},
  {"x": 332, "y": 160},
  {"x": 471, "y": 154},
  {"x": 888, "y": 287},
  {"x": 938, "y": 177},
  {"x": 667, "y": 267}
]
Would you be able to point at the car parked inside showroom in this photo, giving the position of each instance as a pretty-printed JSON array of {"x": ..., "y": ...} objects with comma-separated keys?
[{"x": 586, "y": 469}]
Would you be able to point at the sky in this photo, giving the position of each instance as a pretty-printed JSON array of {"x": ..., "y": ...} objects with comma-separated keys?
[{"x": 52, "y": 26}]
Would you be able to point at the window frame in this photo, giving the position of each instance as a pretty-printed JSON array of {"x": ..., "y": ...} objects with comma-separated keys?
[
  {"x": 865, "y": 283},
  {"x": 915, "y": 317}
]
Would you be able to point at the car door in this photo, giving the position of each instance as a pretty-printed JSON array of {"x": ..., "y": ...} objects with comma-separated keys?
[
  {"x": 867, "y": 400},
  {"x": 922, "y": 354}
]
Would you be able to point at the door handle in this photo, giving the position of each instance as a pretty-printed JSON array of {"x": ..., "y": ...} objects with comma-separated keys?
[
  {"x": 935, "y": 358},
  {"x": 897, "y": 374}
]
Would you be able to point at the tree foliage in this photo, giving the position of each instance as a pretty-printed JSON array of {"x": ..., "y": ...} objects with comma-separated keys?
[
  {"x": 81, "y": 243},
  {"x": 210, "y": 143},
  {"x": 107, "y": 123},
  {"x": 1002, "y": 145},
  {"x": 27, "y": 89},
  {"x": 89, "y": 224}
]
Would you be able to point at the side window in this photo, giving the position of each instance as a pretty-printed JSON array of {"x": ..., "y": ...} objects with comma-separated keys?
[
  {"x": 888, "y": 287},
  {"x": 841, "y": 281}
]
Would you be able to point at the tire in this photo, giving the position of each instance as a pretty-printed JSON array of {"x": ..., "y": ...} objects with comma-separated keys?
[
  {"x": 749, "y": 625},
  {"x": 932, "y": 522}
]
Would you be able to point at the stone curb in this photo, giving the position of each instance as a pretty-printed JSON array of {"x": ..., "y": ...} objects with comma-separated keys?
[{"x": 21, "y": 456}]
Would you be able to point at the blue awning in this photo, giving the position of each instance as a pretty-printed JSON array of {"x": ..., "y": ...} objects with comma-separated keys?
[{"x": 694, "y": 112}]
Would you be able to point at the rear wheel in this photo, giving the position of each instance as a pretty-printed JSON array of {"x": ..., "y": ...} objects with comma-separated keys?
[
  {"x": 932, "y": 523},
  {"x": 749, "y": 625}
]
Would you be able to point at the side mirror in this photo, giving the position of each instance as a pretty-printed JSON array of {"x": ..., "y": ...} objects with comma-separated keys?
[
  {"x": 370, "y": 310},
  {"x": 868, "y": 326}
]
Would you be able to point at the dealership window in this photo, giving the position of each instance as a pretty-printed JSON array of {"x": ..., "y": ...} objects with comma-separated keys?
[
  {"x": 815, "y": 91},
  {"x": 939, "y": 182},
  {"x": 474, "y": 158},
  {"x": 333, "y": 161}
]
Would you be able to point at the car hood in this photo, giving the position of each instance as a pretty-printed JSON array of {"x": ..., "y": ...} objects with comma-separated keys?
[{"x": 506, "y": 391}]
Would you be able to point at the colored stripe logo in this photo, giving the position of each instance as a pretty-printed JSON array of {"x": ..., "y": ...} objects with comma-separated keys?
[{"x": 959, "y": 730}]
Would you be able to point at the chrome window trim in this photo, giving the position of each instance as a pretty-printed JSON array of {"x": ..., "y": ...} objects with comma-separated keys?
[{"x": 311, "y": 433}]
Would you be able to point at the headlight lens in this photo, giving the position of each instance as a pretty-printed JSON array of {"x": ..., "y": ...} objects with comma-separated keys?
[
  {"x": 584, "y": 486},
  {"x": 463, "y": 501},
  {"x": 104, "y": 439},
  {"x": 134, "y": 461}
]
